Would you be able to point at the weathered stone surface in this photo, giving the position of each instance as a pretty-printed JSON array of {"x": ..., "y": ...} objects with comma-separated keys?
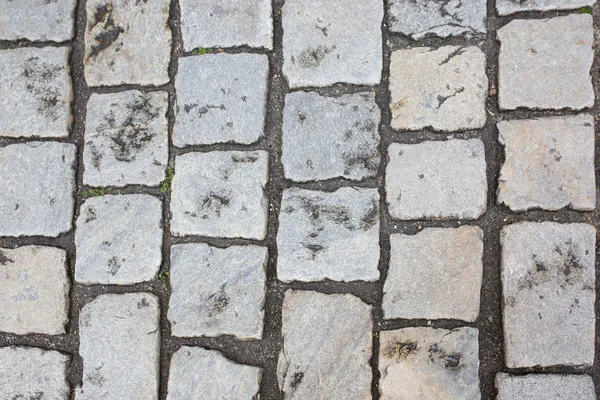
[
  {"x": 34, "y": 290},
  {"x": 217, "y": 291},
  {"x": 119, "y": 343},
  {"x": 37, "y": 20},
  {"x": 220, "y": 98},
  {"x": 545, "y": 387},
  {"x": 444, "y": 89},
  {"x": 226, "y": 23},
  {"x": 443, "y": 179},
  {"x": 29, "y": 373},
  {"x": 35, "y": 92},
  {"x": 329, "y": 42},
  {"x": 119, "y": 239},
  {"x": 330, "y": 137},
  {"x": 326, "y": 347},
  {"x": 127, "y": 42},
  {"x": 328, "y": 235},
  {"x": 126, "y": 139},
  {"x": 435, "y": 274},
  {"x": 199, "y": 374},
  {"x": 558, "y": 51},
  {"x": 548, "y": 294},
  {"x": 220, "y": 193},
  {"x": 421, "y": 18},
  {"x": 506, "y": 7},
  {"x": 428, "y": 363},
  {"x": 38, "y": 181},
  {"x": 549, "y": 163}
]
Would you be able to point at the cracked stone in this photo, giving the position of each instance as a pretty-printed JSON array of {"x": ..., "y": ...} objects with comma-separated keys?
[
  {"x": 545, "y": 387},
  {"x": 37, "y": 20},
  {"x": 506, "y": 7}
]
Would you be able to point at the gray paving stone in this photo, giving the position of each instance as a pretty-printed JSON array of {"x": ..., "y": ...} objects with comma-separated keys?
[
  {"x": 549, "y": 163},
  {"x": 436, "y": 179},
  {"x": 435, "y": 274},
  {"x": 427, "y": 363},
  {"x": 423, "y": 18},
  {"x": 34, "y": 290},
  {"x": 443, "y": 89},
  {"x": 330, "y": 42},
  {"x": 119, "y": 239},
  {"x": 330, "y": 137},
  {"x": 530, "y": 74},
  {"x": 548, "y": 294},
  {"x": 226, "y": 23},
  {"x": 506, "y": 7},
  {"x": 217, "y": 291},
  {"x": 126, "y": 139},
  {"x": 38, "y": 180},
  {"x": 35, "y": 92},
  {"x": 328, "y": 235},
  {"x": 199, "y": 374},
  {"x": 326, "y": 347},
  {"x": 545, "y": 387},
  {"x": 220, "y": 194},
  {"x": 220, "y": 98},
  {"x": 37, "y": 20},
  {"x": 29, "y": 373},
  {"x": 127, "y": 42},
  {"x": 119, "y": 343}
]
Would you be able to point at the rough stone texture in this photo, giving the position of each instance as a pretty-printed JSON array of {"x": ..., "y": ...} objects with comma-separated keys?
[
  {"x": 217, "y": 291},
  {"x": 37, "y": 20},
  {"x": 126, "y": 139},
  {"x": 330, "y": 137},
  {"x": 34, "y": 290},
  {"x": 326, "y": 347},
  {"x": 226, "y": 23},
  {"x": 29, "y": 373},
  {"x": 119, "y": 239},
  {"x": 549, "y": 163},
  {"x": 436, "y": 180},
  {"x": 443, "y": 89},
  {"x": 421, "y": 18},
  {"x": 127, "y": 42},
  {"x": 427, "y": 363},
  {"x": 545, "y": 64},
  {"x": 220, "y": 193},
  {"x": 38, "y": 181},
  {"x": 220, "y": 98},
  {"x": 548, "y": 294},
  {"x": 119, "y": 343},
  {"x": 35, "y": 91},
  {"x": 333, "y": 235},
  {"x": 506, "y": 7},
  {"x": 435, "y": 274},
  {"x": 199, "y": 374},
  {"x": 545, "y": 387},
  {"x": 325, "y": 42}
]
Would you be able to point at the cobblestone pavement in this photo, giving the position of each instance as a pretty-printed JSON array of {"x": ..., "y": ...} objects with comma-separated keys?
[{"x": 299, "y": 199}]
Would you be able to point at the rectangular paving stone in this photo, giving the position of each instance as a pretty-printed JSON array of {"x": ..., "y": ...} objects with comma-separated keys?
[
  {"x": 220, "y": 194},
  {"x": 532, "y": 47},
  {"x": 119, "y": 344},
  {"x": 442, "y": 89},
  {"x": 326, "y": 347},
  {"x": 506, "y": 7},
  {"x": 330, "y": 137},
  {"x": 545, "y": 387},
  {"x": 548, "y": 294},
  {"x": 328, "y": 235},
  {"x": 35, "y": 92},
  {"x": 38, "y": 180},
  {"x": 127, "y": 42},
  {"x": 435, "y": 274},
  {"x": 217, "y": 291},
  {"x": 220, "y": 98},
  {"x": 330, "y": 42},
  {"x": 549, "y": 163},
  {"x": 126, "y": 139},
  {"x": 436, "y": 179},
  {"x": 426, "y": 363},
  {"x": 37, "y": 20}
]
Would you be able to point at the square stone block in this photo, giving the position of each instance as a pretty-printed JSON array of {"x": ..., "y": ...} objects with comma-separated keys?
[
  {"x": 545, "y": 387},
  {"x": 37, "y": 20}
]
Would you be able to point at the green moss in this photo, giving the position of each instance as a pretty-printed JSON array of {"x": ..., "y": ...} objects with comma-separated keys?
[
  {"x": 200, "y": 51},
  {"x": 165, "y": 186},
  {"x": 98, "y": 191},
  {"x": 585, "y": 10},
  {"x": 163, "y": 276}
]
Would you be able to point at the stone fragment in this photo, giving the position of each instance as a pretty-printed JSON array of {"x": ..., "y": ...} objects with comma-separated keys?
[
  {"x": 330, "y": 137},
  {"x": 548, "y": 294},
  {"x": 506, "y": 7},
  {"x": 37, "y": 20},
  {"x": 545, "y": 387},
  {"x": 326, "y": 347}
]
